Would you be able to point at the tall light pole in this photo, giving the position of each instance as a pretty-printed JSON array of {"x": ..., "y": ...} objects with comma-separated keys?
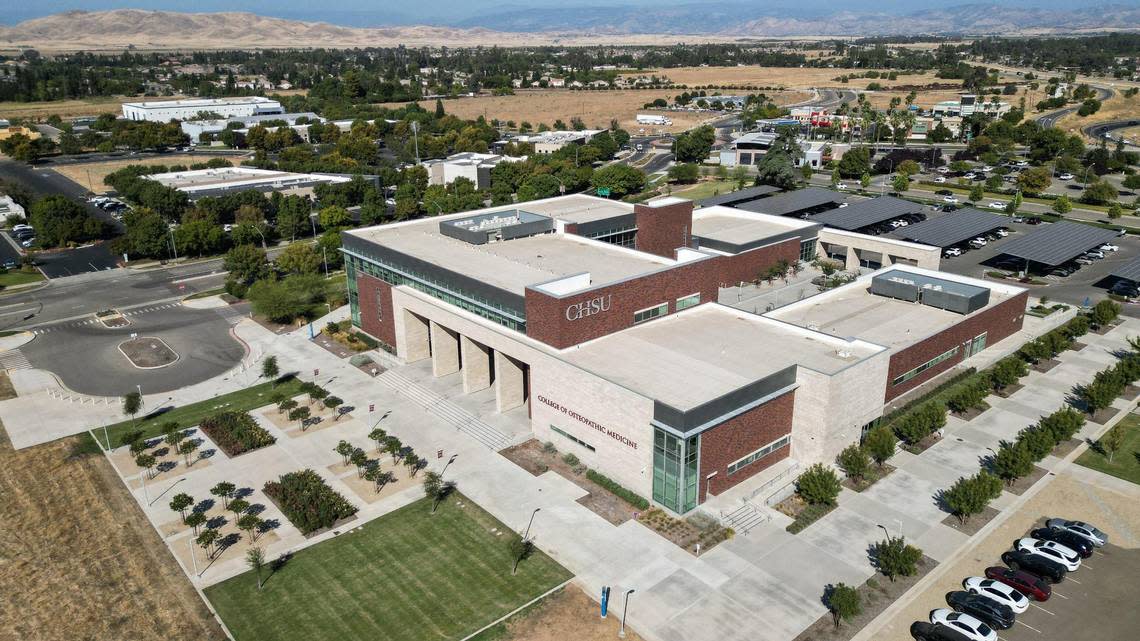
[
  {"x": 416, "y": 137},
  {"x": 885, "y": 531},
  {"x": 624, "y": 612},
  {"x": 526, "y": 535},
  {"x": 173, "y": 247}
]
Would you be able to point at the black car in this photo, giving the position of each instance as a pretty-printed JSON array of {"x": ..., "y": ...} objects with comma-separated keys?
[
  {"x": 1125, "y": 288},
  {"x": 1047, "y": 569},
  {"x": 923, "y": 631},
  {"x": 1033, "y": 220},
  {"x": 948, "y": 208},
  {"x": 998, "y": 615},
  {"x": 944, "y": 192},
  {"x": 1071, "y": 540}
]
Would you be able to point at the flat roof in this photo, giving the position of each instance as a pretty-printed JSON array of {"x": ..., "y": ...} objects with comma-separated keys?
[
  {"x": 739, "y": 196},
  {"x": 235, "y": 177},
  {"x": 952, "y": 228},
  {"x": 734, "y": 227},
  {"x": 853, "y": 311},
  {"x": 865, "y": 213},
  {"x": 793, "y": 202},
  {"x": 201, "y": 102},
  {"x": 689, "y": 358},
  {"x": 512, "y": 265},
  {"x": 1057, "y": 243},
  {"x": 1128, "y": 271},
  {"x": 575, "y": 208}
]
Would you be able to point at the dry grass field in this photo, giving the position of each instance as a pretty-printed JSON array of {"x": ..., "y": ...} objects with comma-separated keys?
[
  {"x": 91, "y": 174},
  {"x": 566, "y": 614},
  {"x": 78, "y": 560},
  {"x": 791, "y": 77},
  {"x": 595, "y": 108},
  {"x": 1115, "y": 108},
  {"x": 63, "y": 108}
]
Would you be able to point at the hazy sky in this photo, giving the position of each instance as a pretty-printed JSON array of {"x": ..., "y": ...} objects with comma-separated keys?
[{"x": 380, "y": 12}]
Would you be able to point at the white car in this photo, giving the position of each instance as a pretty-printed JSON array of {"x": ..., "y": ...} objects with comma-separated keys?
[
  {"x": 1051, "y": 550},
  {"x": 841, "y": 186},
  {"x": 1066, "y": 176},
  {"x": 940, "y": 179},
  {"x": 970, "y": 176},
  {"x": 985, "y": 168},
  {"x": 1080, "y": 528},
  {"x": 997, "y": 204},
  {"x": 997, "y": 591},
  {"x": 950, "y": 199},
  {"x": 972, "y": 628},
  {"x": 1002, "y": 232},
  {"x": 1095, "y": 253},
  {"x": 1023, "y": 163},
  {"x": 980, "y": 240},
  {"x": 1108, "y": 247},
  {"x": 951, "y": 252}
]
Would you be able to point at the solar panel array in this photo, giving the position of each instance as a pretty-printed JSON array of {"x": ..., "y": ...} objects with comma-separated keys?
[
  {"x": 1058, "y": 243},
  {"x": 793, "y": 201},
  {"x": 1129, "y": 271},
  {"x": 953, "y": 228},
  {"x": 867, "y": 212}
]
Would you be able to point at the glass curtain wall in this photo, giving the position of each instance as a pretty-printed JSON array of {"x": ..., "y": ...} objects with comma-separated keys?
[{"x": 675, "y": 470}]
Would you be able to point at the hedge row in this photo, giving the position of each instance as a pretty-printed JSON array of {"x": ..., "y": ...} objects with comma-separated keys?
[{"x": 629, "y": 496}]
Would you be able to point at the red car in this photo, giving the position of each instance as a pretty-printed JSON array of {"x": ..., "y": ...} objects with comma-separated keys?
[{"x": 1024, "y": 582}]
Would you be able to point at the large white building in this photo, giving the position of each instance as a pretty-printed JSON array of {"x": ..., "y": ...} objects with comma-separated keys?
[
  {"x": 200, "y": 183},
  {"x": 472, "y": 166},
  {"x": 167, "y": 110}
]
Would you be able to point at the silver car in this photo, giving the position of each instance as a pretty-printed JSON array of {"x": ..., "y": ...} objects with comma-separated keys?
[{"x": 1080, "y": 528}]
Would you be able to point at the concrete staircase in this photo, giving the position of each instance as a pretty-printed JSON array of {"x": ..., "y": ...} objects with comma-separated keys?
[
  {"x": 463, "y": 420},
  {"x": 744, "y": 518}
]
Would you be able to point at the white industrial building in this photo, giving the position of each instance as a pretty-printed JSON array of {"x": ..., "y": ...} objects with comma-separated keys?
[
  {"x": 167, "y": 110},
  {"x": 548, "y": 142},
  {"x": 200, "y": 183},
  {"x": 195, "y": 128},
  {"x": 472, "y": 166}
]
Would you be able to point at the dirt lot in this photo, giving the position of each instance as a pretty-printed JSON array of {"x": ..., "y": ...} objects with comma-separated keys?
[
  {"x": 595, "y": 108},
  {"x": 1115, "y": 511},
  {"x": 63, "y": 108},
  {"x": 91, "y": 175},
  {"x": 566, "y": 614},
  {"x": 78, "y": 560}
]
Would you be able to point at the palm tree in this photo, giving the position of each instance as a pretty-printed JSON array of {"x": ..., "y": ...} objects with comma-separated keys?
[
  {"x": 196, "y": 520},
  {"x": 255, "y": 558},
  {"x": 207, "y": 539},
  {"x": 224, "y": 491},
  {"x": 249, "y": 523},
  {"x": 180, "y": 502}
]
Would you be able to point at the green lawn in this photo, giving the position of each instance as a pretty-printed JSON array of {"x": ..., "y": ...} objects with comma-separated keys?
[
  {"x": 703, "y": 190},
  {"x": 15, "y": 277},
  {"x": 406, "y": 576},
  {"x": 1126, "y": 462},
  {"x": 190, "y": 415}
]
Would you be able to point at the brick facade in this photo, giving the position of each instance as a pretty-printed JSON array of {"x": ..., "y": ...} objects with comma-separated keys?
[
  {"x": 737, "y": 437},
  {"x": 374, "y": 297},
  {"x": 749, "y": 265},
  {"x": 997, "y": 322},
  {"x": 546, "y": 315},
  {"x": 661, "y": 230}
]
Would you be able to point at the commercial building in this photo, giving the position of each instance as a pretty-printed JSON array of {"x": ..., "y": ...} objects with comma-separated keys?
[
  {"x": 750, "y": 148},
  {"x": 548, "y": 142},
  {"x": 597, "y": 324},
  {"x": 969, "y": 104},
  {"x": 200, "y": 183},
  {"x": 167, "y": 110},
  {"x": 195, "y": 128},
  {"x": 470, "y": 165}
]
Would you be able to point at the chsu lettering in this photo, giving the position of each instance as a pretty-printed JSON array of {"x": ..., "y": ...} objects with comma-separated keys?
[{"x": 589, "y": 307}]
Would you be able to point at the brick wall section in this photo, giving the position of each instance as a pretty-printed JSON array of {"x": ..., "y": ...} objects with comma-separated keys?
[
  {"x": 999, "y": 321},
  {"x": 546, "y": 315},
  {"x": 378, "y": 323},
  {"x": 748, "y": 265},
  {"x": 661, "y": 230},
  {"x": 741, "y": 435}
]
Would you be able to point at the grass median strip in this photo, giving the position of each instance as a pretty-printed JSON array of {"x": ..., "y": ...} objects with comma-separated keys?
[
  {"x": 406, "y": 576},
  {"x": 1125, "y": 463}
]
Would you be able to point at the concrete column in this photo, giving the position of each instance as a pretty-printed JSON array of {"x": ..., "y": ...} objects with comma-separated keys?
[
  {"x": 852, "y": 259},
  {"x": 509, "y": 392},
  {"x": 476, "y": 358},
  {"x": 444, "y": 350},
  {"x": 887, "y": 260},
  {"x": 416, "y": 343}
]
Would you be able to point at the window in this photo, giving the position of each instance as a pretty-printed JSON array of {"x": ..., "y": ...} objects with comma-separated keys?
[
  {"x": 944, "y": 356},
  {"x": 675, "y": 470},
  {"x": 380, "y": 305},
  {"x": 572, "y": 438},
  {"x": 650, "y": 313},
  {"x": 688, "y": 301},
  {"x": 807, "y": 250},
  {"x": 775, "y": 445}
]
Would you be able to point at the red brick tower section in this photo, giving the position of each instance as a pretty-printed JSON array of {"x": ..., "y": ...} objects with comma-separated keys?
[
  {"x": 740, "y": 436},
  {"x": 374, "y": 297},
  {"x": 663, "y": 228}
]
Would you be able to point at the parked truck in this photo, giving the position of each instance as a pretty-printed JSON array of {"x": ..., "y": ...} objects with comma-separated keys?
[{"x": 653, "y": 119}]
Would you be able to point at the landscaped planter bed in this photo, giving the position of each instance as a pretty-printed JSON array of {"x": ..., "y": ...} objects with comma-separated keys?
[
  {"x": 308, "y": 502},
  {"x": 236, "y": 432}
]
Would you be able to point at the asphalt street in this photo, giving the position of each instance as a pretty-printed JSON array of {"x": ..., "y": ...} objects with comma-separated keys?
[{"x": 1050, "y": 119}]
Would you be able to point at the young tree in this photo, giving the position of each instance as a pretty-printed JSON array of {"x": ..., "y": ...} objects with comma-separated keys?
[
  {"x": 359, "y": 459},
  {"x": 316, "y": 393},
  {"x": 238, "y": 507},
  {"x": 132, "y": 404},
  {"x": 392, "y": 445},
  {"x": 1062, "y": 205},
  {"x": 433, "y": 485},
  {"x": 207, "y": 539},
  {"x": 895, "y": 557},
  {"x": 1012, "y": 461},
  {"x": 196, "y": 520},
  {"x": 900, "y": 183},
  {"x": 173, "y": 434},
  {"x": 520, "y": 549},
  {"x": 147, "y": 462},
  {"x": 854, "y": 462},
  {"x": 300, "y": 414},
  {"x": 1112, "y": 440},
  {"x": 345, "y": 449},
  {"x": 249, "y": 523},
  {"x": 180, "y": 503},
  {"x": 333, "y": 402},
  {"x": 818, "y": 485},
  {"x": 843, "y": 602},
  {"x": 412, "y": 462},
  {"x": 977, "y": 192},
  {"x": 285, "y": 406},
  {"x": 880, "y": 444},
  {"x": 374, "y": 474},
  {"x": 1097, "y": 395},
  {"x": 1104, "y": 312},
  {"x": 378, "y": 435},
  {"x": 224, "y": 490},
  {"x": 270, "y": 370},
  {"x": 970, "y": 495},
  {"x": 256, "y": 559},
  {"x": 186, "y": 448}
]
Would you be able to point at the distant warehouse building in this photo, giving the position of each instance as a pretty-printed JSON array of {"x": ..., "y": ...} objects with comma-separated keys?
[
  {"x": 167, "y": 110},
  {"x": 201, "y": 183},
  {"x": 596, "y": 325}
]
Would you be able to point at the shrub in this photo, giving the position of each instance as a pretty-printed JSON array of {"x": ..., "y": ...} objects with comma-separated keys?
[
  {"x": 854, "y": 462},
  {"x": 307, "y": 501},
  {"x": 1056, "y": 342},
  {"x": 1062, "y": 425},
  {"x": 1034, "y": 351},
  {"x": 1007, "y": 371},
  {"x": 921, "y": 423},
  {"x": 629, "y": 496},
  {"x": 236, "y": 432},
  {"x": 880, "y": 444},
  {"x": 807, "y": 516},
  {"x": 1098, "y": 395},
  {"x": 818, "y": 485},
  {"x": 1104, "y": 312},
  {"x": 570, "y": 460},
  {"x": 1038, "y": 442},
  {"x": 970, "y": 495},
  {"x": 895, "y": 557},
  {"x": 1012, "y": 461},
  {"x": 1077, "y": 327},
  {"x": 969, "y": 395},
  {"x": 843, "y": 603},
  {"x": 549, "y": 448}
]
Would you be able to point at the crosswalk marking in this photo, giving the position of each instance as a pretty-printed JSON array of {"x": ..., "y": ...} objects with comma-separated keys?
[{"x": 95, "y": 321}]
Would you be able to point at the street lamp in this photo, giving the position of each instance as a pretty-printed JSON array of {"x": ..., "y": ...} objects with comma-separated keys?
[
  {"x": 526, "y": 535},
  {"x": 624, "y": 612},
  {"x": 885, "y": 531}
]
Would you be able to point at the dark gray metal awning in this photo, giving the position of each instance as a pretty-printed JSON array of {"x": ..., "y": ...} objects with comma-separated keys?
[
  {"x": 865, "y": 213},
  {"x": 1058, "y": 243},
  {"x": 1129, "y": 271},
  {"x": 740, "y": 196},
  {"x": 793, "y": 202},
  {"x": 953, "y": 228}
]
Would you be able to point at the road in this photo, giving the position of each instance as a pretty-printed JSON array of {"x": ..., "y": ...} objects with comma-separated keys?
[
  {"x": 1099, "y": 130},
  {"x": 1050, "y": 119}
]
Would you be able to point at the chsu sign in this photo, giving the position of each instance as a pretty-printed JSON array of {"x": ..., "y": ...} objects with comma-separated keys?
[{"x": 589, "y": 307}]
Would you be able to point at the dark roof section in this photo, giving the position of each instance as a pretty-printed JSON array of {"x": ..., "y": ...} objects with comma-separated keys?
[
  {"x": 740, "y": 196},
  {"x": 952, "y": 228},
  {"x": 794, "y": 202},
  {"x": 1129, "y": 271},
  {"x": 1058, "y": 243},
  {"x": 867, "y": 212}
]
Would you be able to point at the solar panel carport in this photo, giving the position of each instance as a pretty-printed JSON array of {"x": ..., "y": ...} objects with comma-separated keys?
[
  {"x": 951, "y": 229},
  {"x": 794, "y": 203},
  {"x": 1058, "y": 243},
  {"x": 1128, "y": 271},
  {"x": 866, "y": 213}
]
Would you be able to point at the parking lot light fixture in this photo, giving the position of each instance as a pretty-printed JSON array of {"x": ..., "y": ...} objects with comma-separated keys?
[
  {"x": 624, "y": 612},
  {"x": 526, "y": 535}
]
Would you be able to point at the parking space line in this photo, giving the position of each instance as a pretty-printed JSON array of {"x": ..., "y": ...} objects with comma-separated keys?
[
  {"x": 1086, "y": 565},
  {"x": 1055, "y": 593},
  {"x": 1098, "y": 553},
  {"x": 1043, "y": 609},
  {"x": 1075, "y": 581},
  {"x": 1030, "y": 627}
]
